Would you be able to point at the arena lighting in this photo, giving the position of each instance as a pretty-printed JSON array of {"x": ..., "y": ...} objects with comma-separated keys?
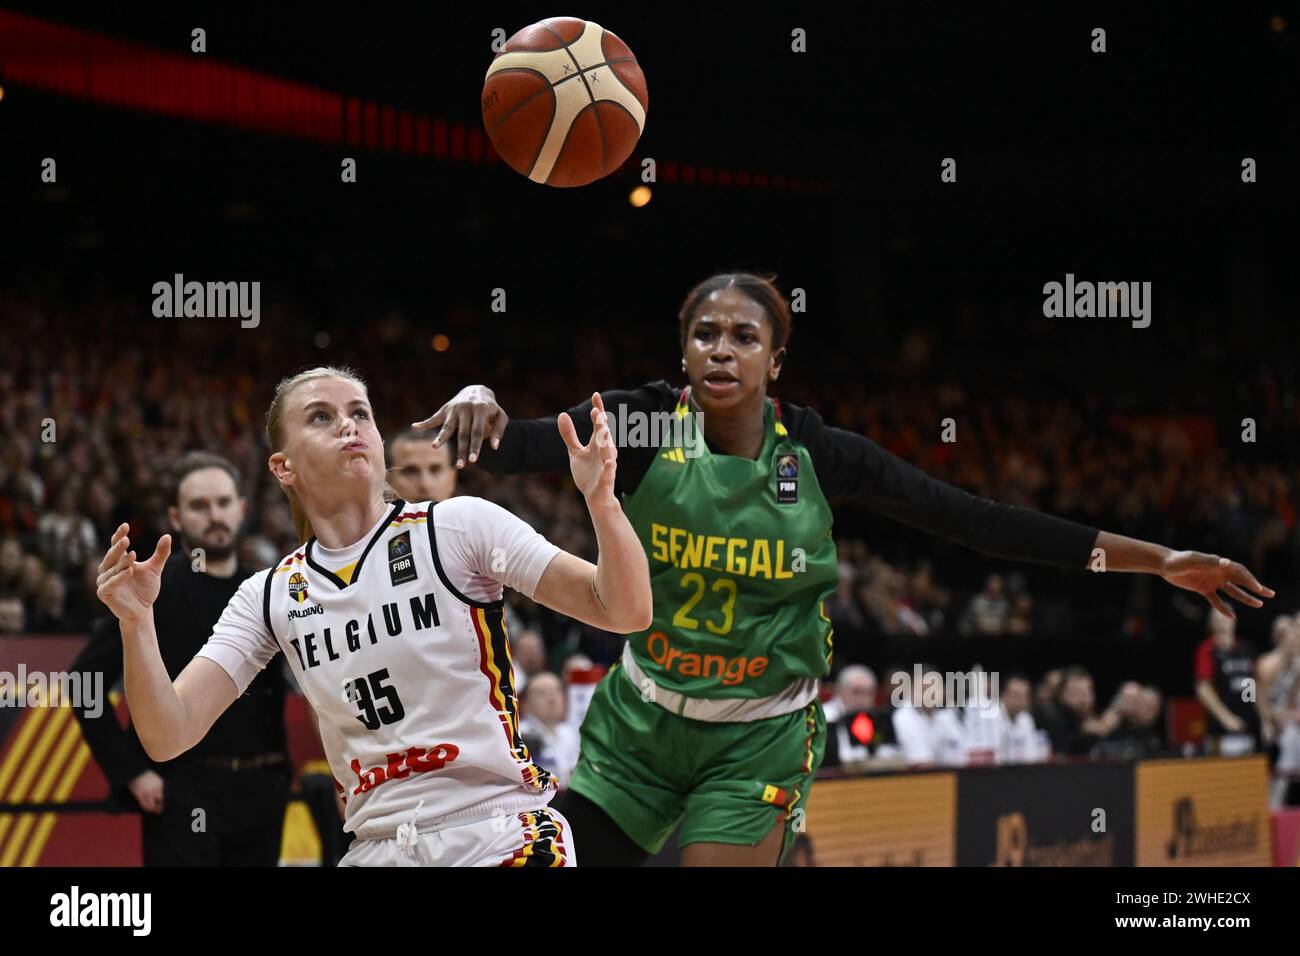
[
  {"x": 639, "y": 196},
  {"x": 441, "y": 343},
  {"x": 122, "y": 74}
]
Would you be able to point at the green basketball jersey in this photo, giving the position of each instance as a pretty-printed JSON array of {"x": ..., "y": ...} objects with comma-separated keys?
[{"x": 741, "y": 559}]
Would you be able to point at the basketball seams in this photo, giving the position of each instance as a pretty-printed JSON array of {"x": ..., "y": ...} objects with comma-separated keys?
[
  {"x": 563, "y": 44},
  {"x": 582, "y": 75},
  {"x": 631, "y": 92},
  {"x": 581, "y": 70},
  {"x": 592, "y": 69},
  {"x": 606, "y": 168},
  {"x": 645, "y": 109},
  {"x": 576, "y": 65},
  {"x": 547, "y": 88},
  {"x": 600, "y": 126},
  {"x": 632, "y": 116}
]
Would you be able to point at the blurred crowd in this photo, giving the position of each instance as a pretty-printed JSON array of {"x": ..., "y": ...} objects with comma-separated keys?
[
  {"x": 922, "y": 717},
  {"x": 96, "y": 406}
]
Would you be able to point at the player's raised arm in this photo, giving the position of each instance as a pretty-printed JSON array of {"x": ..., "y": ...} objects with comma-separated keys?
[
  {"x": 614, "y": 594},
  {"x": 169, "y": 718}
]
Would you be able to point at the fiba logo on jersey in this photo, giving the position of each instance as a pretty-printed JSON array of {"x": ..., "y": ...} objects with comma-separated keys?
[
  {"x": 400, "y": 546},
  {"x": 298, "y": 587},
  {"x": 787, "y": 479},
  {"x": 401, "y": 563}
]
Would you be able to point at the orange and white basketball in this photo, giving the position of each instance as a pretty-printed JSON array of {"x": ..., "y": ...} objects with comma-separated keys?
[{"x": 564, "y": 102}]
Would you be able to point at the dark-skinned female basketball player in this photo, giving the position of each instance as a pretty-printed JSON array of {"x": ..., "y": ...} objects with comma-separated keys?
[{"x": 712, "y": 719}]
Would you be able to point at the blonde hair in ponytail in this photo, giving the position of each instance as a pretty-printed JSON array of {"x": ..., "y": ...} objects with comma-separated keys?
[{"x": 276, "y": 437}]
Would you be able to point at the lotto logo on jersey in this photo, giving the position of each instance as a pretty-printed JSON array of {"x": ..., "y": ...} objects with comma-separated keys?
[
  {"x": 415, "y": 760},
  {"x": 787, "y": 479},
  {"x": 297, "y": 587}
]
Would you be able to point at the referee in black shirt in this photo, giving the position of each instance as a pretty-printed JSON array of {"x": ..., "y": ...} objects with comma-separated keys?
[{"x": 222, "y": 803}]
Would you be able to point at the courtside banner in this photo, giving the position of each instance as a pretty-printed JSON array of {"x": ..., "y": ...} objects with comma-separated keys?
[
  {"x": 897, "y": 820},
  {"x": 1206, "y": 812},
  {"x": 1045, "y": 815}
]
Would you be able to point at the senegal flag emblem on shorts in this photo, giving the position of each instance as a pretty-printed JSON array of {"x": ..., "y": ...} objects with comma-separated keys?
[{"x": 777, "y": 796}]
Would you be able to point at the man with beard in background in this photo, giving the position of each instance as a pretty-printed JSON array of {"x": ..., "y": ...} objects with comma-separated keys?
[{"x": 238, "y": 775}]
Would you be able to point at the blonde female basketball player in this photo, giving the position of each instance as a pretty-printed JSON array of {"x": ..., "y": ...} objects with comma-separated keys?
[{"x": 391, "y": 618}]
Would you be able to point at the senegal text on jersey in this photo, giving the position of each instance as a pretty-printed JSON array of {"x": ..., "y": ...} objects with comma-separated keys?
[{"x": 685, "y": 549}]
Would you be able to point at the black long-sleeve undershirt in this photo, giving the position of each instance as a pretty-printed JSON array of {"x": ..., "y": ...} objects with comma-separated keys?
[{"x": 849, "y": 467}]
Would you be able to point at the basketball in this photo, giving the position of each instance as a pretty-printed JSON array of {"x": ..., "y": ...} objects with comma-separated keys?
[{"x": 564, "y": 102}]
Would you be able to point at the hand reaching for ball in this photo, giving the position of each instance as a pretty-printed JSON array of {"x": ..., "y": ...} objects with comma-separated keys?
[{"x": 593, "y": 464}]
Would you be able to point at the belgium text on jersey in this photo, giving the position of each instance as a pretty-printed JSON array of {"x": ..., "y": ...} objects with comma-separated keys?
[
  {"x": 133, "y": 910},
  {"x": 82, "y": 690},
  {"x": 1102, "y": 300},
  {"x": 209, "y": 300},
  {"x": 424, "y": 613}
]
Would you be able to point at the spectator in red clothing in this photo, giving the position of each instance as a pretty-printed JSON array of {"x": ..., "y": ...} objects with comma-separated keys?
[{"x": 1225, "y": 686}]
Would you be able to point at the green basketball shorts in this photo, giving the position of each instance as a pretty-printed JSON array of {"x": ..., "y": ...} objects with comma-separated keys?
[{"x": 650, "y": 769}]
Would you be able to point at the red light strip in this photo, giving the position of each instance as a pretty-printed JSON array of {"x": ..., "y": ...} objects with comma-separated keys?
[{"x": 88, "y": 66}]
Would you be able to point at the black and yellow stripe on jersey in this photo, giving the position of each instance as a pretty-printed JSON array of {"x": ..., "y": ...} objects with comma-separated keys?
[
  {"x": 544, "y": 841},
  {"x": 488, "y": 618},
  {"x": 496, "y": 665}
]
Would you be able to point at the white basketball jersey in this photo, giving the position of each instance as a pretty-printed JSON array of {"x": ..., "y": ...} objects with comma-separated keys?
[{"x": 411, "y": 680}]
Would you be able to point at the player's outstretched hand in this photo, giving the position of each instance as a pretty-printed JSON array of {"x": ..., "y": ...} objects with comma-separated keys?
[
  {"x": 467, "y": 418},
  {"x": 126, "y": 586},
  {"x": 1207, "y": 574},
  {"x": 592, "y": 464}
]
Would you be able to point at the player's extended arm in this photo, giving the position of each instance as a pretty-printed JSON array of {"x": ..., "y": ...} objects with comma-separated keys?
[
  {"x": 1206, "y": 574},
  {"x": 534, "y": 445},
  {"x": 855, "y": 467},
  {"x": 614, "y": 594},
  {"x": 168, "y": 718}
]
